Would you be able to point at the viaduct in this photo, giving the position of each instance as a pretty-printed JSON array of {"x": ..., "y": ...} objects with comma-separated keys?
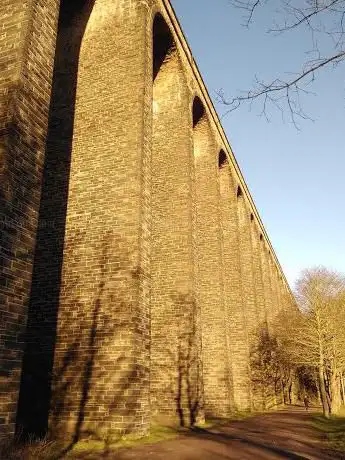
[{"x": 135, "y": 269}]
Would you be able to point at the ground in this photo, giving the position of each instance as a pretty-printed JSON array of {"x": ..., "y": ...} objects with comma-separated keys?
[
  {"x": 287, "y": 434},
  {"x": 292, "y": 433}
]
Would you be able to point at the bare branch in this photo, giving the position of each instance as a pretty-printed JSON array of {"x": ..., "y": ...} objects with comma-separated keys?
[
  {"x": 249, "y": 6},
  {"x": 325, "y": 20},
  {"x": 278, "y": 90},
  {"x": 304, "y": 15}
]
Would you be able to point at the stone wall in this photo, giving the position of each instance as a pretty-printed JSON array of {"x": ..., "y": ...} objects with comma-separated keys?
[
  {"x": 175, "y": 360},
  {"x": 131, "y": 249},
  {"x": 27, "y": 44}
]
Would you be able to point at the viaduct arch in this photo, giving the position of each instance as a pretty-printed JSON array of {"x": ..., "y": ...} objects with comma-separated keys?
[{"x": 135, "y": 270}]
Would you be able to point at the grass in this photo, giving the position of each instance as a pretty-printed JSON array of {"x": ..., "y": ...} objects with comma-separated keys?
[
  {"x": 31, "y": 450},
  {"x": 157, "y": 434},
  {"x": 49, "y": 450},
  {"x": 213, "y": 422},
  {"x": 333, "y": 430}
]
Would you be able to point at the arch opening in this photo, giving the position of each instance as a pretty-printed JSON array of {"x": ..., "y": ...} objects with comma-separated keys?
[
  {"x": 198, "y": 111},
  {"x": 222, "y": 159},
  {"x": 163, "y": 43},
  {"x": 239, "y": 192}
]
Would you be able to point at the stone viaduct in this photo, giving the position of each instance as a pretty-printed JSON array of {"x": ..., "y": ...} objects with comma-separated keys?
[{"x": 135, "y": 269}]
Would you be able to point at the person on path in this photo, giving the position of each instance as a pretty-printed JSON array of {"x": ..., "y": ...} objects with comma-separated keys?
[{"x": 306, "y": 402}]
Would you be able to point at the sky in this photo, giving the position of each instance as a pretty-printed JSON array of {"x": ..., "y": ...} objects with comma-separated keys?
[{"x": 296, "y": 177}]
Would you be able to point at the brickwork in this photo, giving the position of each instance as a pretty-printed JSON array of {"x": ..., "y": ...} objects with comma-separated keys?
[
  {"x": 261, "y": 325},
  {"x": 246, "y": 260},
  {"x": 278, "y": 283},
  {"x": 247, "y": 280},
  {"x": 27, "y": 43},
  {"x": 175, "y": 362},
  {"x": 258, "y": 276},
  {"x": 45, "y": 291},
  {"x": 269, "y": 296},
  {"x": 130, "y": 246},
  {"x": 275, "y": 296},
  {"x": 101, "y": 366},
  {"x": 232, "y": 272},
  {"x": 209, "y": 269}
]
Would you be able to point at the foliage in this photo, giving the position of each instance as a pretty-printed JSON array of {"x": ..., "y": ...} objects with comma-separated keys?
[
  {"x": 272, "y": 370},
  {"x": 314, "y": 337},
  {"x": 305, "y": 345}
]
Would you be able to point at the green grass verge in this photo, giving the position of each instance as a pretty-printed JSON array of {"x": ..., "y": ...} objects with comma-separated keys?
[
  {"x": 213, "y": 422},
  {"x": 47, "y": 450},
  {"x": 333, "y": 429},
  {"x": 157, "y": 434}
]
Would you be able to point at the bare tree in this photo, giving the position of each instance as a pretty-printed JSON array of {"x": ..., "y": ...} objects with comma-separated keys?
[
  {"x": 324, "y": 20},
  {"x": 316, "y": 337},
  {"x": 272, "y": 370}
]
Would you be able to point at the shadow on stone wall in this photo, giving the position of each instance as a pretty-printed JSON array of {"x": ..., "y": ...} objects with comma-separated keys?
[
  {"x": 19, "y": 189},
  {"x": 34, "y": 401},
  {"x": 178, "y": 388},
  {"x": 85, "y": 378},
  {"x": 189, "y": 397}
]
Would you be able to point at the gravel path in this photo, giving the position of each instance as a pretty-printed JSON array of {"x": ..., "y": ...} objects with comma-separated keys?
[{"x": 287, "y": 434}]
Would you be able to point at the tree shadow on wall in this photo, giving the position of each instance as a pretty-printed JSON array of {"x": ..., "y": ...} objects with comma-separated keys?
[
  {"x": 182, "y": 368},
  {"x": 96, "y": 380},
  {"x": 107, "y": 387},
  {"x": 40, "y": 337}
]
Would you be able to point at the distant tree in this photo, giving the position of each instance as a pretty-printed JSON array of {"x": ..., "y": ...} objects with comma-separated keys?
[
  {"x": 325, "y": 21},
  {"x": 272, "y": 370},
  {"x": 315, "y": 338}
]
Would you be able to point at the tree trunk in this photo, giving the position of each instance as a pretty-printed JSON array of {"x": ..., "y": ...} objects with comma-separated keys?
[
  {"x": 290, "y": 393},
  {"x": 318, "y": 394},
  {"x": 342, "y": 388},
  {"x": 323, "y": 393},
  {"x": 329, "y": 400},
  {"x": 284, "y": 393},
  {"x": 335, "y": 394}
]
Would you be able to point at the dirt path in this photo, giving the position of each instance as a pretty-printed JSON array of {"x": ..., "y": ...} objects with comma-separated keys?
[{"x": 287, "y": 434}]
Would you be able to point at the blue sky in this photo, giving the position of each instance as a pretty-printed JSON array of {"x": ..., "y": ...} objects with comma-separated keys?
[{"x": 296, "y": 178}]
